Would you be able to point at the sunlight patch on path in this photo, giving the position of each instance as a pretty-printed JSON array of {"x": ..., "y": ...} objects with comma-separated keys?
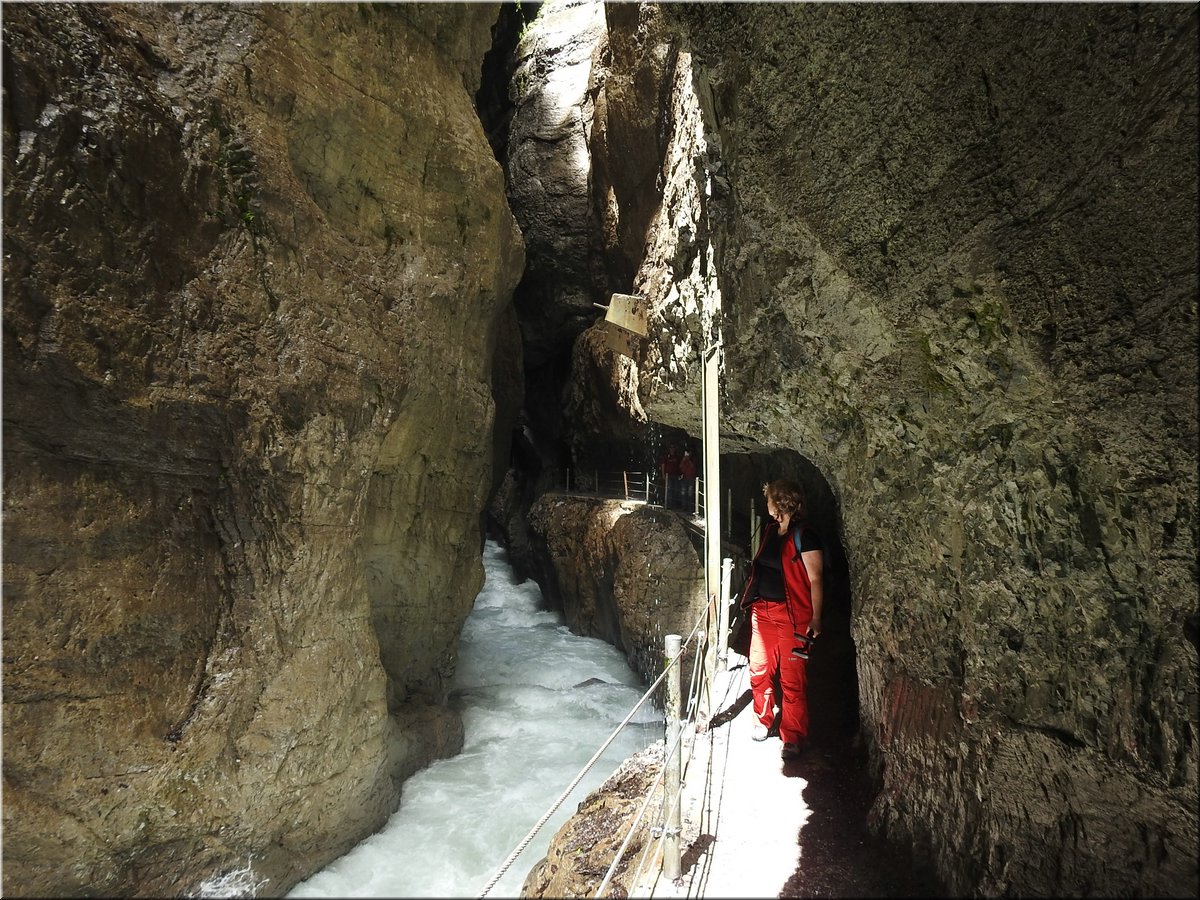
[{"x": 742, "y": 811}]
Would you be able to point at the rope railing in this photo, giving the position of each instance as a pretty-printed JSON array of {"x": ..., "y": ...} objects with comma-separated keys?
[{"x": 533, "y": 832}]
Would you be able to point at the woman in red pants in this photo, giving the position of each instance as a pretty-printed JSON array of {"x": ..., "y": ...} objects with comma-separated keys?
[{"x": 783, "y": 596}]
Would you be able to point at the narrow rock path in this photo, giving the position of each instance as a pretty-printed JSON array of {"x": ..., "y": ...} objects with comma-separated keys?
[{"x": 756, "y": 826}]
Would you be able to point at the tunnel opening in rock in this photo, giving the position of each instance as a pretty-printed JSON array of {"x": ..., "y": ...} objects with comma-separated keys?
[{"x": 822, "y": 353}]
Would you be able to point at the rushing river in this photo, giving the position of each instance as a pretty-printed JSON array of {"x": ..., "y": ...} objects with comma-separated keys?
[{"x": 537, "y": 702}]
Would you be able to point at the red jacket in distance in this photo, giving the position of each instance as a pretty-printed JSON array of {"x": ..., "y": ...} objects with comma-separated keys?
[
  {"x": 687, "y": 466},
  {"x": 670, "y": 462}
]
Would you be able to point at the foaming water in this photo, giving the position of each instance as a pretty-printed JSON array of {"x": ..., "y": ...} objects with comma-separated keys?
[{"x": 537, "y": 702}]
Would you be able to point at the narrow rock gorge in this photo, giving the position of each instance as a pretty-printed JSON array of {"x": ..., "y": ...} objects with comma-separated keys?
[{"x": 299, "y": 300}]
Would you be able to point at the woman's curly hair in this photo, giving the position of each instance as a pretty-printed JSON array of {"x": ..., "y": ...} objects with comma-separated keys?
[{"x": 787, "y": 496}]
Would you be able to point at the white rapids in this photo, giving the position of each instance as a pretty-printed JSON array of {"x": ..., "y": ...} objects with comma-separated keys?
[{"x": 537, "y": 703}]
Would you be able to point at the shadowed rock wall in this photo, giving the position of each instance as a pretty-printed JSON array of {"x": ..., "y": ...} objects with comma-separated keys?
[
  {"x": 256, "y": 260},
  {"x": 956, "y": 253},
  {"x": 951, "y": 254}
]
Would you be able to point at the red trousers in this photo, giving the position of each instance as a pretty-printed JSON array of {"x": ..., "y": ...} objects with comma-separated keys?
[{"x": 771, "y": 644}]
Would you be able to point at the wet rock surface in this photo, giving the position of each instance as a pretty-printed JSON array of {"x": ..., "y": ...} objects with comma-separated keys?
[
  {"x": 624, "y": 572},
  {"x": 258, "y": 260},
  {"x": 582, "y": 850}
]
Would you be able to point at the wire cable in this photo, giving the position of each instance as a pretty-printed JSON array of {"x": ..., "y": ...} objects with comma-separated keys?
[
  {"x": 574, "y": 782},
  {"x": 520, "y": 848},
  {"x": 677, "y": 745}
]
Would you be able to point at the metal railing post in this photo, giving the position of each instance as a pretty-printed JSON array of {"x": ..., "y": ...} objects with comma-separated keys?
[
  {"x": 671, "y": 787},
  {"x": 723, "y": 612},
  {"x": 647, "y": 487},
  {"x": 710, "y": 402}
]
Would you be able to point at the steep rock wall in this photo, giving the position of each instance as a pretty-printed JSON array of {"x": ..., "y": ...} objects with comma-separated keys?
[
  {"x": 256, "y": 260},
  {"x": 624, "y": 572},
  {"x": 955, "y": 254},
  {"x": 950, "y": 252},
  {"x": 549, "y": 173}
]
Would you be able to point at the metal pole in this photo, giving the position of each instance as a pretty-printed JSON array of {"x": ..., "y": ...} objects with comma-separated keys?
[
  {"x": 712, "y": 520},
  {"x": 723, "y": 612},
  {"x": 625, "y": 478},
  {"x": 671, "y": 787},
  {"x": 647, "y": 487}
]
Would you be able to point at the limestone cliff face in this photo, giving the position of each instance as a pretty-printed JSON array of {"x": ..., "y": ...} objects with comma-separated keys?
[
  {"x": 950, "y": 254},
  {"x": 584, "y": 162},
  {"x": 256, "y": 262},
  {"x": 549, "y": 172}
]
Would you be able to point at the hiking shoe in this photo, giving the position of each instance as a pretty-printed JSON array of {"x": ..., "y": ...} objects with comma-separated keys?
[
  {"x": 760, "y": 732},
  {"x": 790, "y": 751}
]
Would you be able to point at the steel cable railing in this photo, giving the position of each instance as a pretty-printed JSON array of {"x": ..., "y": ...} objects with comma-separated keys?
[
  {"x": 638, "y": 486},
  {"x": 645, "y": 855},
  {"x": 675, "y": 746},
  {"x": 652, "y": 489},
  {"x": 533, "y": 832}
]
